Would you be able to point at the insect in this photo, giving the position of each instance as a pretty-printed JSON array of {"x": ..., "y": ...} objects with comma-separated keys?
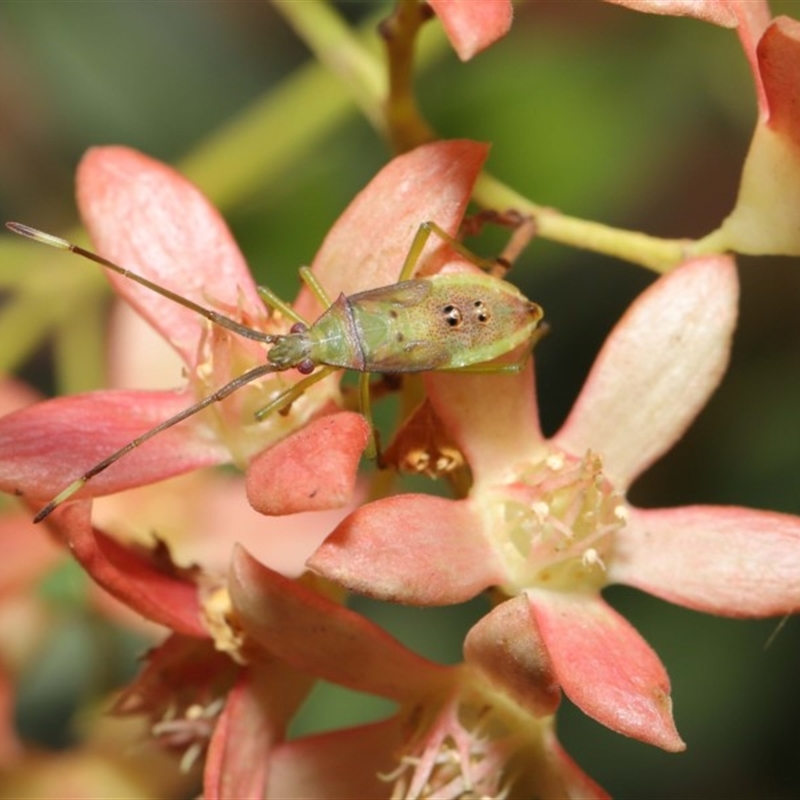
[{"x": 455, "y": 322}]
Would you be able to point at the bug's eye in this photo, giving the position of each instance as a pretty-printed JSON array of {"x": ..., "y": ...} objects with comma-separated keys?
[
  {"x": 298, "y": 327},
  {"x": 481, "y": 311},
  {"x": 306, "y": 366},
  {"x": 452, "y": 316}
]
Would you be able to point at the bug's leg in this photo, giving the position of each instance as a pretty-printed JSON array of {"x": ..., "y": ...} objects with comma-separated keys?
[
  {"x": 365, "y": 403},
  {"x": 285, "y": 399},
  {"x": 415, "y": 251},
  {"x": 310, "y": 280},
  {"x": 475, "y": 223},
  {"x": 524, "y": 231},
  {"x": 508, "y": 367},
  {"x": 420, "y": 240},
  {"x": 271, "y": 300}
]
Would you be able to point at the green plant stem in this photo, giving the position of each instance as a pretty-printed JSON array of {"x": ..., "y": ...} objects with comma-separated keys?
[
  {"x": 406, "y": 125},
  {"x": 336, "y": 46},
  {"x": 659, "y": 255}
]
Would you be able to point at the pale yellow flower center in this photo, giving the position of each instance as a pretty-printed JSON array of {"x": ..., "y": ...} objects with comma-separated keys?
[
  {"x": 554, "y": 525},
  {"x": 223, "y": 356}
]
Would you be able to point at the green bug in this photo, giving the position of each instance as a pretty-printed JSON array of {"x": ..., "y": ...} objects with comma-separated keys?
[{"x": 457, "y": 322}]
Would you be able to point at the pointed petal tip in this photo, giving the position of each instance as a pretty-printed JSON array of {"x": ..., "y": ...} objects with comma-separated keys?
[
  {"x": 472, "y": 27},
  {"x": 605, "y": 667}
]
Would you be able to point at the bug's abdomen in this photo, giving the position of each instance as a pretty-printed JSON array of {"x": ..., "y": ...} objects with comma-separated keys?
[
  {"x": 443, "y": 322},
  {"x": 479, "y": 318}
]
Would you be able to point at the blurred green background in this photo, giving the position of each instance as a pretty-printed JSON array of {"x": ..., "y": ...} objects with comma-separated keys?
[{"x": 638, "y": 121}]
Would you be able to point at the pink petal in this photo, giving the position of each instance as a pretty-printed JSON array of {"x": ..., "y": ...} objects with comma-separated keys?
[
  {"x": 256, "y": 713},
  {"x": 501, "y": 644},
  {"x": 719, "y": 12},
  {"x": 605, "y": 667},
  {"x": 779, "y": 65},
  {"x": 492, "y": 417},
  {"x": 657, "y": 369},
  {"x": 473, "y": 26},
  {"x": 237, "y": 764},
  {"x": 313, "y": 470},
  {"x": 45, "y": 447},
  {"x": 342, "y": 765},
  {"x": 368, "y": 244},
  {"x": 138, "y": 356},
  {"x": 139, "y": 582},
  {"x": 722, "y": 560},
  {"x": 146, "y": 217},
  {"x": 320, "y": 637},
  {"x": 413, "y": 549}
]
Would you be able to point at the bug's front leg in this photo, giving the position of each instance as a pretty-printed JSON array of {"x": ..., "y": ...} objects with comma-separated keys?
[{"x": 284, "y": 400}]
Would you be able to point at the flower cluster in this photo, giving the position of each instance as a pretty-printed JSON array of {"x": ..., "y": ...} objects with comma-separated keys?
[{"x": 249, "y": 576}]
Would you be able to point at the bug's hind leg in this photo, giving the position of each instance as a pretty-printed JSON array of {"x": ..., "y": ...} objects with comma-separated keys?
[
  {"x": 525, "y": 230},
  {"x": 521, "y": 237}
]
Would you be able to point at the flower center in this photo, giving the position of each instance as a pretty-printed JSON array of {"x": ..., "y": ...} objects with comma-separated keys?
[
  {"x": 556, "y": 523},
  {"x": 222, "y": 357},
  {"x": 462, "y": 753}
]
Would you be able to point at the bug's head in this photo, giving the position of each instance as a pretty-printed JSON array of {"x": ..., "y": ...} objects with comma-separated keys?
[{"x": 292, "y": 350}]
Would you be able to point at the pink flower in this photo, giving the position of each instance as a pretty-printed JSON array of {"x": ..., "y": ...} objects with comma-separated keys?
[
  {"x": 455, "y": 732},
  {"x": 728, "y": 13},
  {"x": 546, "y": 521},
  {"x": 245, "y": 651},
  {"x": 145, "y": 216}
]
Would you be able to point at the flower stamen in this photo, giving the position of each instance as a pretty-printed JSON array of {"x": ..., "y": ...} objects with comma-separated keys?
[{"x": 557, "y": 522}]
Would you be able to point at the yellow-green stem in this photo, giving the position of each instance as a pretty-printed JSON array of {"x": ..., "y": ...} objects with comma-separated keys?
[{"x": 659, "y": 255}]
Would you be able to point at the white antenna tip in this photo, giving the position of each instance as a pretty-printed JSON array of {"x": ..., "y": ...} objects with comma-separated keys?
[{"x": 37, "y": 235}]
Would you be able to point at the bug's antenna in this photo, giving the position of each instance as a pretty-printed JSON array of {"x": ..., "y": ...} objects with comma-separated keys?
[
  {"x": 212, "y": 316},
  {"x": 220, "y": 394}
]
